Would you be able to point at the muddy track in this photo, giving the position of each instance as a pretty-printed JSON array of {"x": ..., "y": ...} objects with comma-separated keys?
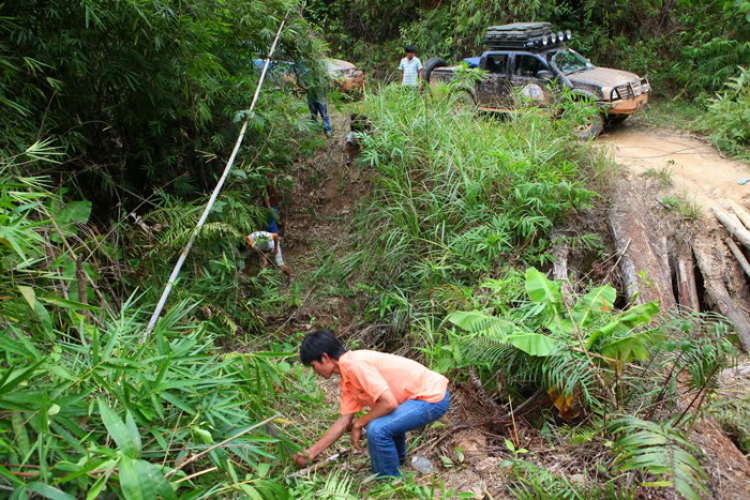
[{"x": 699, "y": 172}]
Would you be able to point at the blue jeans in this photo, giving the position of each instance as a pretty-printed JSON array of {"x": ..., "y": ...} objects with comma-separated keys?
[
  {"x": 316, "y": 107},
  {"x": 273, "y": 224},
  {"x": 386, "y": 436}
]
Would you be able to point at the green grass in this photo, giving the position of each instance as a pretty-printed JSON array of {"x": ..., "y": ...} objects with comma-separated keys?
[{"x": 663, "y": 176}]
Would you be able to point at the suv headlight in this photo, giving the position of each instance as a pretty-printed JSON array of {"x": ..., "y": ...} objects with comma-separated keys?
[
  {"x": 645, "y": 85},
  {"x": 615, "y": 96}
]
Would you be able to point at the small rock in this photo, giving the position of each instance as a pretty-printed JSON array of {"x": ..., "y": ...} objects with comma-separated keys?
[{"x": 422, "y": 464}]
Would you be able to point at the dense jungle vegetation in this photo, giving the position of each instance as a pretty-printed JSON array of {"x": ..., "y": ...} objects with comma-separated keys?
[{"x": 116, "y": 119}]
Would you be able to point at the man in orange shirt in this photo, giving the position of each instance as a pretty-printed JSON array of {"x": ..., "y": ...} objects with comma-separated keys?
[{"x": 402, "y": 395}]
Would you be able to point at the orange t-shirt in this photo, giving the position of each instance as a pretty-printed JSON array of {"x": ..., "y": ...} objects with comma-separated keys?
[{"x": 366, "y": 375}]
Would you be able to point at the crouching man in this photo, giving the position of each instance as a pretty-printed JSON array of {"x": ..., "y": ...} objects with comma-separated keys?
[
  {"x": 402, "y": 395},
  {"x": 359, "y": 125},
  {"x": 267, "y": 243}
]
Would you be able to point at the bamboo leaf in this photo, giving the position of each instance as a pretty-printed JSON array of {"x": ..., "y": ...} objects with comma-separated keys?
[
  {"x": 119, "y": 432},
  {"x": 49, "y": 492}
]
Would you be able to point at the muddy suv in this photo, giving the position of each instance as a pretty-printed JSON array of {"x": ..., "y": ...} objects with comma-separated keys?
[{"x": 530, "y": 59}]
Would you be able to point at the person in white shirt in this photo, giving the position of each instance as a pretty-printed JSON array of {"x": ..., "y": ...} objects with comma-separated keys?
[
  {"x": 411, "y": 68},
  {"x": 267, "y": 243}
]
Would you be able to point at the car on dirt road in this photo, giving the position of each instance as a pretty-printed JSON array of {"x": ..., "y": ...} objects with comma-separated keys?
[
  {"x": 531, "y": 60},
  {"x": 345, "y": 76}
]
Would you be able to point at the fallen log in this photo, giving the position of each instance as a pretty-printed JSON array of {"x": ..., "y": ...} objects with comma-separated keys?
[
  {"x": 716, "y": 272},
  {"x": 733, "y": 225},
  {"x": 740, "y": 212},
  {"x": 738, "y": 255},
  {"x": 687, "y": 290},
  {"x": 642, "y": 245}
]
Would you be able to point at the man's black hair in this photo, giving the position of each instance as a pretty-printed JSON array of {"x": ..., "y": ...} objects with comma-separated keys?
[
  {"x": 411, "y": 48},
  {"x": 319, "y": 343}
]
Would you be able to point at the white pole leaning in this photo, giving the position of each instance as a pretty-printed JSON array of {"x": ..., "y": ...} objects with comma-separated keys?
[{"x": 176, "y": 271}]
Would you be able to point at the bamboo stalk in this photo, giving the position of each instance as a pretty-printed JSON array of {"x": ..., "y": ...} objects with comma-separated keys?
[{"x": 212, "y": 199}]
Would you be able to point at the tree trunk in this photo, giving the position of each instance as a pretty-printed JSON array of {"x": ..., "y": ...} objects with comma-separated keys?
[
  {"x": 717, "y": 271},
  {"x": 733, "y": 225},
  {"x": 740, "y": 212},
  {"x": 647, "y": 252}
]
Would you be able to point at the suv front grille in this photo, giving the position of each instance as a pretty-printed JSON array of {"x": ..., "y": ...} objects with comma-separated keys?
[{"x": 630, "y": 90}]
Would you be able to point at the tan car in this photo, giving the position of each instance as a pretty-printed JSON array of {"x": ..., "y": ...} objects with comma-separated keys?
[{"x": 345, "y": 75}]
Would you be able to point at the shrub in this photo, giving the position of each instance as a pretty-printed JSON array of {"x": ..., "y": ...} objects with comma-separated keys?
[{"x": 728, "y": 118}]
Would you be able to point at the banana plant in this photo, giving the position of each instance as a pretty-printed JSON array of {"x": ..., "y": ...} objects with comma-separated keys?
[{"x": 547, "y": 341}]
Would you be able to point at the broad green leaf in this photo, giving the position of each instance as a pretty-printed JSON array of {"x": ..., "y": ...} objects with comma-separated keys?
[
  {"x": 28, "y": 294},
  {"x": 133, "y": 432},
  {"x": 12, "y": 378},
  {"x": 143, "y": 480},
  {"x": 131, "y": 485},
  {"x": 541, "y": 289},
  {"x": 74, "y": 212},
  {"x": 600, "y": 299},
  {"x": 49, "y": 492},
  {"x": 534, "y": 344},
  {"x": 119, "y": 432},
  {"x": 251, "y": 492},
  {"x": 478, "y": 322},
  {"x": 19, "y": 429},
  {"x": 97, "y": 487}
]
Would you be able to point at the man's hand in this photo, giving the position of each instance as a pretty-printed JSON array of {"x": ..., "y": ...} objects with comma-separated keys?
[
  {"x": 356, "y": 435},
  {"x": 302, "y": 459}
]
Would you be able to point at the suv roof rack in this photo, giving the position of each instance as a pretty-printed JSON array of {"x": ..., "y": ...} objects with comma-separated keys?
[{"x": 524, "y": 35}]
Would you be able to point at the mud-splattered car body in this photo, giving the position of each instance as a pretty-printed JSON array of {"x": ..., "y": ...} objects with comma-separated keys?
[
  {"x": 540, "y": 75},
  {"x": 345, "y": 75}
]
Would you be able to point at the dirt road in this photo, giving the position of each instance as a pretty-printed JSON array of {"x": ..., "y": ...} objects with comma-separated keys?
[{"x": 699, "y": 173}]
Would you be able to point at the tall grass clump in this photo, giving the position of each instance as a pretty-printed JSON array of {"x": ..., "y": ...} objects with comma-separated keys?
[
  {"x": 91, "y": 406},
  {"x": 457, "y": 197}
]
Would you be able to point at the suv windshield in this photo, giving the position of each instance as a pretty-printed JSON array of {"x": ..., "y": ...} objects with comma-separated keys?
[{"x": 569, "y": 62}]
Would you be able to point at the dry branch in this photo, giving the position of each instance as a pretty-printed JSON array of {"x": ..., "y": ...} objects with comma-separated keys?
[{"x": 738, "y": 255}]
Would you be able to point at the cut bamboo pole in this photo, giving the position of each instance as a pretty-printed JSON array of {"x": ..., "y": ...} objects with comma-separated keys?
[
  {"x": 183, "y": 256},
  {"x": 733, "y": 225},
  {"x": 738, "y": 255},
  {"x": 741, "y": 213}
]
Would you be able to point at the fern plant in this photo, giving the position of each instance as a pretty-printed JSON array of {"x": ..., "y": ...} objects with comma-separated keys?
[{"x": 661, "y": 451}]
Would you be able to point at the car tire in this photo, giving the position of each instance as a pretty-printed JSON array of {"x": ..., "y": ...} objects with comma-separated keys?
[
  {"x": 432, "y": 64},
  {"x": 592, "y": 129},
  {"x": 463, "y": 99}
]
